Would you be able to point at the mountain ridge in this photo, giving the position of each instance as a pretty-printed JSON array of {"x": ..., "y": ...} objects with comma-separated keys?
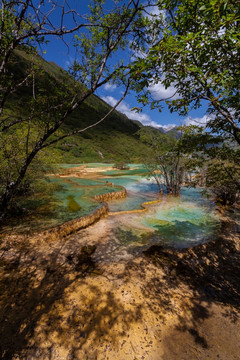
[{"x": 115, "y": 139}]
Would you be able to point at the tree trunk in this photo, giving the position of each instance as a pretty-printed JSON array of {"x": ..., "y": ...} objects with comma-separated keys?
[
  {"x": 6, "y": 199},
  {"x": 12, "y": 188}
]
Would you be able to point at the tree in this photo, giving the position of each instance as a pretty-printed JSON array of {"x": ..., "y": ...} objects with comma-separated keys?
[
  {"x": 25, "y": 24},
  {"x": 24, "y": 27},
  {"x": 164, "y": 161},
  {"x": 215, "y": 163},
  {"x": 121, "y": 166},
  {"x": 197, "y": 51}
]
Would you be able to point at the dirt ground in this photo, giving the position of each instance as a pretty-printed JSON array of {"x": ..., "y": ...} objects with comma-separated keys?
[{"x": 88, "y": 296}]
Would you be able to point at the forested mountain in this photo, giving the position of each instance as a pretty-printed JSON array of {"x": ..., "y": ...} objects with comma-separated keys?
[{"x": 115, "y": 139}]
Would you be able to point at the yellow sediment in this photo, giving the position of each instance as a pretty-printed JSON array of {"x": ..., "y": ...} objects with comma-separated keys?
[
  {"x": 115, "y": 308},
  {"x": 76, "y": 224},
  {"x": 111, "y": 195},
  {"x": 82, "y": 222},
  {"x": 127, "y": 212},
  {"x": 144, "y": 205},
  {"x": 83, "y": 172}
]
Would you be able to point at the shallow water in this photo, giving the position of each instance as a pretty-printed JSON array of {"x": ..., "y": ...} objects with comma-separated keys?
[
  {"x": 70, "y": 193},
  {"x": 182, "y": 222},
  {"x": 75, "y": 198},
  {"x": 174, "y": 221}
]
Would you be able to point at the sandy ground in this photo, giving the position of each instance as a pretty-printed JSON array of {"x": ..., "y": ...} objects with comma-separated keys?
[
  {"x": 101, "y": 293},
  {"x": 89, "y": 296}
]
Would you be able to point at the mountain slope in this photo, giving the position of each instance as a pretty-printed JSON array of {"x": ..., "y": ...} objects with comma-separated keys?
[{"x": 115, "y": 139}]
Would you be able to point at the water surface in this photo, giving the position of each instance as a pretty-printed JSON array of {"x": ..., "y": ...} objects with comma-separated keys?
[{"x": 181, "y": 221}]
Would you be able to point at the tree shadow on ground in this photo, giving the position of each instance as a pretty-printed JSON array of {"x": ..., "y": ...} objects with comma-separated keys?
[
  {"x": 34, "y": 290},
  {"x": 205, "y": 275},
  {"x": 38, "y": 313}
]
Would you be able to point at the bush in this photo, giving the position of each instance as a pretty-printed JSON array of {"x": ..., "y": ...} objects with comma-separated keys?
[{"x": 121, "y": 166}]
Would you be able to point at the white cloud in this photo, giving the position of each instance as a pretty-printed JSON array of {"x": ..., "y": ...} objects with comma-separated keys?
[
  {"x": 68, "y": 62},
  {"x": 153, "y": 10},
  {"x": 168, "y": 127},
  {"x": 145, "y": 119},
  {"x": 152, "y": 13},
  {"x": 110, "y": 87},
  {"x": 125, "y": 108},
  {"x": 159, "y": 92},
  {"x": 197, "y": 121}
]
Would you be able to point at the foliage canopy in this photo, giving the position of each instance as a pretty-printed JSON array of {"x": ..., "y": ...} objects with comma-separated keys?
[
  {"x": 98, "y": 36},
  {"x": 198, "y": 53}
]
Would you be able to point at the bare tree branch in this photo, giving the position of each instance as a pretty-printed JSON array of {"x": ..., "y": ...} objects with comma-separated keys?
[{"x": 92, "y": 125}]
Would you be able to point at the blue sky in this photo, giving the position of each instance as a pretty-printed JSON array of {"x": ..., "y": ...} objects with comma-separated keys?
[{"x": 63, "y": 55}]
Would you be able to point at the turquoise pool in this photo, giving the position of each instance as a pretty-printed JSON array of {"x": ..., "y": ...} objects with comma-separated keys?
[{"x": 175, "y": 221}]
